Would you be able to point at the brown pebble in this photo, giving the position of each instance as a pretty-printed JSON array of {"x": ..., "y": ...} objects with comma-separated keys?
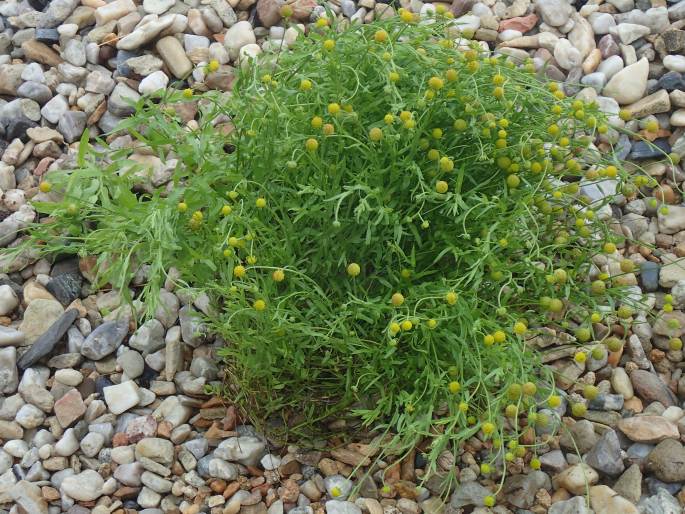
[
  {"x": 110, "y": 39},
  {"x": 164, "y": 429},
  {"x": 126, "y": 492},
  {"x": 664, "y": 193},
  {"x": 231, "y": 489},
  {"x": 119, "y": 439},
  {"x": 50, "y": 493},
  {"x": 231, "y": 418},
  {"x": 177, "y": 469},
  {"x": 218, "y": 486}
]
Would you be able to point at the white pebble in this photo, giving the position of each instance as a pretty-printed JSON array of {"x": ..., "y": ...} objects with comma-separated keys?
[{"x": 70, "y": 377}]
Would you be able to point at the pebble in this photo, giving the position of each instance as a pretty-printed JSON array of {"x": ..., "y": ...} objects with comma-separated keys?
[
  {"x": 605, "y": 456},
  {"x": 84, "y": 486},
  {"x": 154, "y": 82},
  {"x": 648, "y": 429},
  {"x": 104, "y": 339},
  {"x": 604, "y": 500},
  {"x": 122, "y": 397},
  {"x": 629, "y": 84},
  {"x": 173, "y": 55}
]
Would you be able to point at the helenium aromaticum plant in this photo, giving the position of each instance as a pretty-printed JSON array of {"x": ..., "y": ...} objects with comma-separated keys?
[{"x": 388, "y": 221}]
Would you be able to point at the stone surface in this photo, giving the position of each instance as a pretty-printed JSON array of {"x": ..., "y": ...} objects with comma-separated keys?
[
  {"x": 648, "y": 429},
  {"x": 39, "y": 317},
  {"x": 667, "y": 461},
  {"x": 628, "y": 85},
  {"x": 104, "y": 339}
]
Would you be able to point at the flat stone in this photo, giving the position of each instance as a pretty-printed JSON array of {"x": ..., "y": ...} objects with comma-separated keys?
[
  {"x": 649, "y": 387},
  {"x": 648, "y": 429},
  {"x": 55, "y": 108},
  {"x": 39, "y": 316},
  {"x": 47, "y": 341},
  {"x": 69, "y": 408},
  {"x": 519, "y": 490},
  {"x": 653, "y": 104}
]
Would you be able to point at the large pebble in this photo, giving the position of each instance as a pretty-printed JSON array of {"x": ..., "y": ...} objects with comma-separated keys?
[
  {"x": 629, "y": 84},
  {"x": 86, "y": 486}
]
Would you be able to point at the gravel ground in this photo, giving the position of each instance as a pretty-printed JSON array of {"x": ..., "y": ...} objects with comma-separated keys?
[{"x": 99, "y": 416}]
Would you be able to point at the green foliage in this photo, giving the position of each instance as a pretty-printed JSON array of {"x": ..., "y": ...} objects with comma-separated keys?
[{"x": 382, "y": 224}]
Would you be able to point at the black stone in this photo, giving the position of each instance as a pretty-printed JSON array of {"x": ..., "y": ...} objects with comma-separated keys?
[
  {"x": 45, "y": 343},
  {"x": 147, "y": 376},
  {"x": 121, "y": 58},
  {"x": 642, "y": 150},
  {"x": 420, "y": 460},
  {"x": 47, "y": 36},
  {"x": 65, "y": 265},
  {"x": 17, "y": 127},
  {"x": 649, "y": 276},
  {"x": 100, "y": 384},
  {"x": 39, "y": 5},
  {"x": 66, "y": 287},
  {"x": 671, "y": 81}
]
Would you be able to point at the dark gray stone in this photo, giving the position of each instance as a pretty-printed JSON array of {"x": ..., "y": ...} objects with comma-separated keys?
[
  {"x": 605, "y": 456},
  {"x": 47, "y": 36},
  {"x": 45, "y": 343},
  {"x": 643, "y": 150},
  {"x": 105, "y": 339},
  {"x": 607, "y": 402},
  {"x": 520, "y": 490},
  {"x": 71, "y": 125},
  {"x": 39, "y": 5},
  {"x": 671, "y": 81},
  {"x": 17, "y": 127},
  {"x": 66, "y": 287},
  {"x": 649, "y": 276}
]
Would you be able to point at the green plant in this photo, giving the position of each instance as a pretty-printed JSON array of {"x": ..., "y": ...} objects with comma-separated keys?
[{"x": 384, "y": 222}]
